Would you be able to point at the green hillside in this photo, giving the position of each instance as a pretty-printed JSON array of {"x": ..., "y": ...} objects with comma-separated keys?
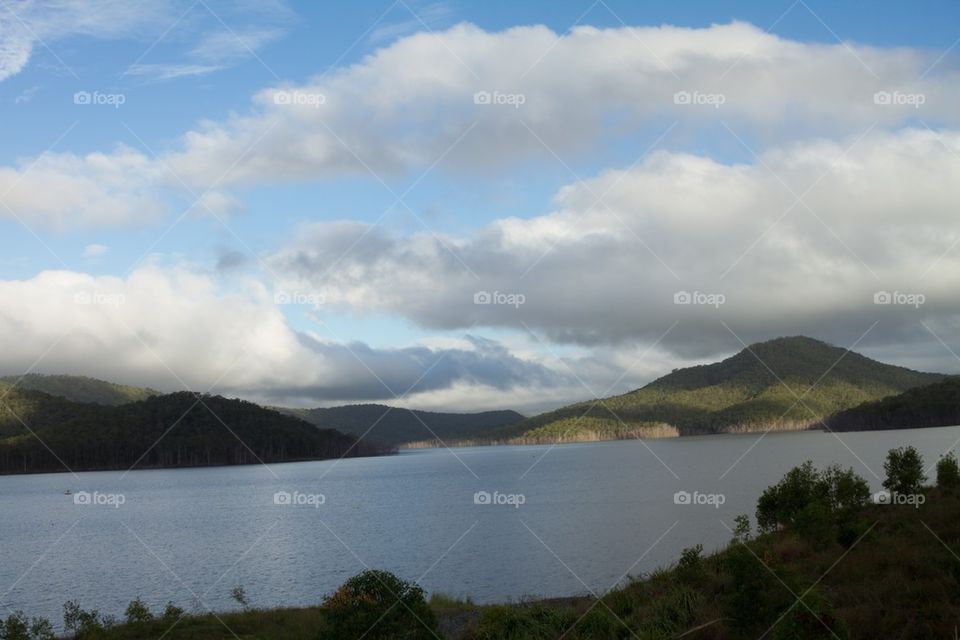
[
  {"x": 79, "y": 388},
  {"x": 396, "y": 426},
  {"x": 745, "y": 392},
  {"x": 44, "y": 433},
  {"x": 934, "y": 405}
]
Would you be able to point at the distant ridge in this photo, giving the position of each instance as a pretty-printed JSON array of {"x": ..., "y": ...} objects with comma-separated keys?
[
  {"x": 933, "y": 405},
  {"x": 397, "y": 426},
  {"x": 80, "y": 388},
  {"x": 44, "y": 433},
  {"x": 745, "y": 392}
]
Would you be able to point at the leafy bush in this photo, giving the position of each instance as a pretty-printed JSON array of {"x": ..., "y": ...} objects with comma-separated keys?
[
  {"x": 137, "y": 611},
  {"x": 811, "y": 501},
  {"x": 904, "y": 467},
  {"x": 172, "y": 612},
  {"x": 948, "y": 472},
  {"x": 378, "y": 604}
]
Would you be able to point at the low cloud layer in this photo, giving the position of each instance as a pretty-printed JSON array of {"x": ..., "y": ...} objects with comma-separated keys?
[
  {"x": 799, "y": 241},
  {"x": 148, "y": 329}
]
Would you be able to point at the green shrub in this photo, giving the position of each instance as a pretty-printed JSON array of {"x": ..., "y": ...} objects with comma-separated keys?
[
  {"x": 948, "y": 472},
  {"x": 904, "y": 467},
  {"x": 814, "y": 503},
  {"x": 380, "y": 605},
  {"x": 137, "y": 611},
  {"x": 172, "y": 612}
]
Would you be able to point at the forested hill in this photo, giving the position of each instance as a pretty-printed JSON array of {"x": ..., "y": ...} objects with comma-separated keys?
[
  {"x": 935, "y": 405},
  {"x": 396, "y": 426},
  {"x": 175, "y": 430},
  {"x": 746, "y": 392},
  {"x": 80, "y": 388}
]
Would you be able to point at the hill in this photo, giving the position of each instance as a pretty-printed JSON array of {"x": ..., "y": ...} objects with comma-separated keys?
[
  {"x": 397, "y": 426},
  {"x": 934, "y": 405},
  {"x": 44, "y": 433},
  {"x": 745, "y": 392},
  {"x": 79, "y": 388}
]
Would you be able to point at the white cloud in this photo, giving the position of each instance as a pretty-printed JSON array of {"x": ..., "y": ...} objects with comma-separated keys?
[
  {"x": 881, "y": 217},
  {"x": 28, "y": 24},
  {"x": 95, "y": 251},
  {"x": 406, "y": 105},
  {"x": 64, "y": 190},
  {"x": 155, "y": 322}
]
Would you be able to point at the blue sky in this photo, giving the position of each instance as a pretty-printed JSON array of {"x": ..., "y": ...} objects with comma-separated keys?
[{"x": 109, "y": 190}]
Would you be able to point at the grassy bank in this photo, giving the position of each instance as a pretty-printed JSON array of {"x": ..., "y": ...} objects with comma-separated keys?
[{"x": 824, "y": 561}]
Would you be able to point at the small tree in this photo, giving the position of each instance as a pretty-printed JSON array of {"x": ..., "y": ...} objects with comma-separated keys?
[
  {"x": 948, "y": 472},
  {"x": 904, "y": 467},
  {"x": 83, "y": 624},
  {"x": 741, "y": 529},
  {"x": 18, "y": 627},
  {"x": 379, "y": 605},
  {"x": 137, "y": 611}
]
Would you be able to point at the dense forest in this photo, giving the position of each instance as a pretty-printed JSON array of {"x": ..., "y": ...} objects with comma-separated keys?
[
  {"x": 43, "y": 433},
  {"x": 397, "y": 426},
  {"x": 934, "y": 405},
  {"x": 745, "y": 392}
]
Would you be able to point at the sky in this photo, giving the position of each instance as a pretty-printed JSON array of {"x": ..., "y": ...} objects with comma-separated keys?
[{"x": 471, "y": 205}]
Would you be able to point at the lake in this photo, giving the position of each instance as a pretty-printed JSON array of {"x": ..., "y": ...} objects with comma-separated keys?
[{"x": 553, "y": 521}]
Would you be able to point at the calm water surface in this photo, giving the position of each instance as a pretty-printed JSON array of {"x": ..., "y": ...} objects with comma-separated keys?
[{"x": 591, "y": 514}]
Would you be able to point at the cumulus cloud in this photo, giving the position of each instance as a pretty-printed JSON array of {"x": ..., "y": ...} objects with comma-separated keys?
[
  {"x": 485, "y": 100},
  {"x": 64, "y": 190},
  {"x": 147, "y": 329},
  {"x": 875, "y": 214},
  {"x": 520, "y": 90}
]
